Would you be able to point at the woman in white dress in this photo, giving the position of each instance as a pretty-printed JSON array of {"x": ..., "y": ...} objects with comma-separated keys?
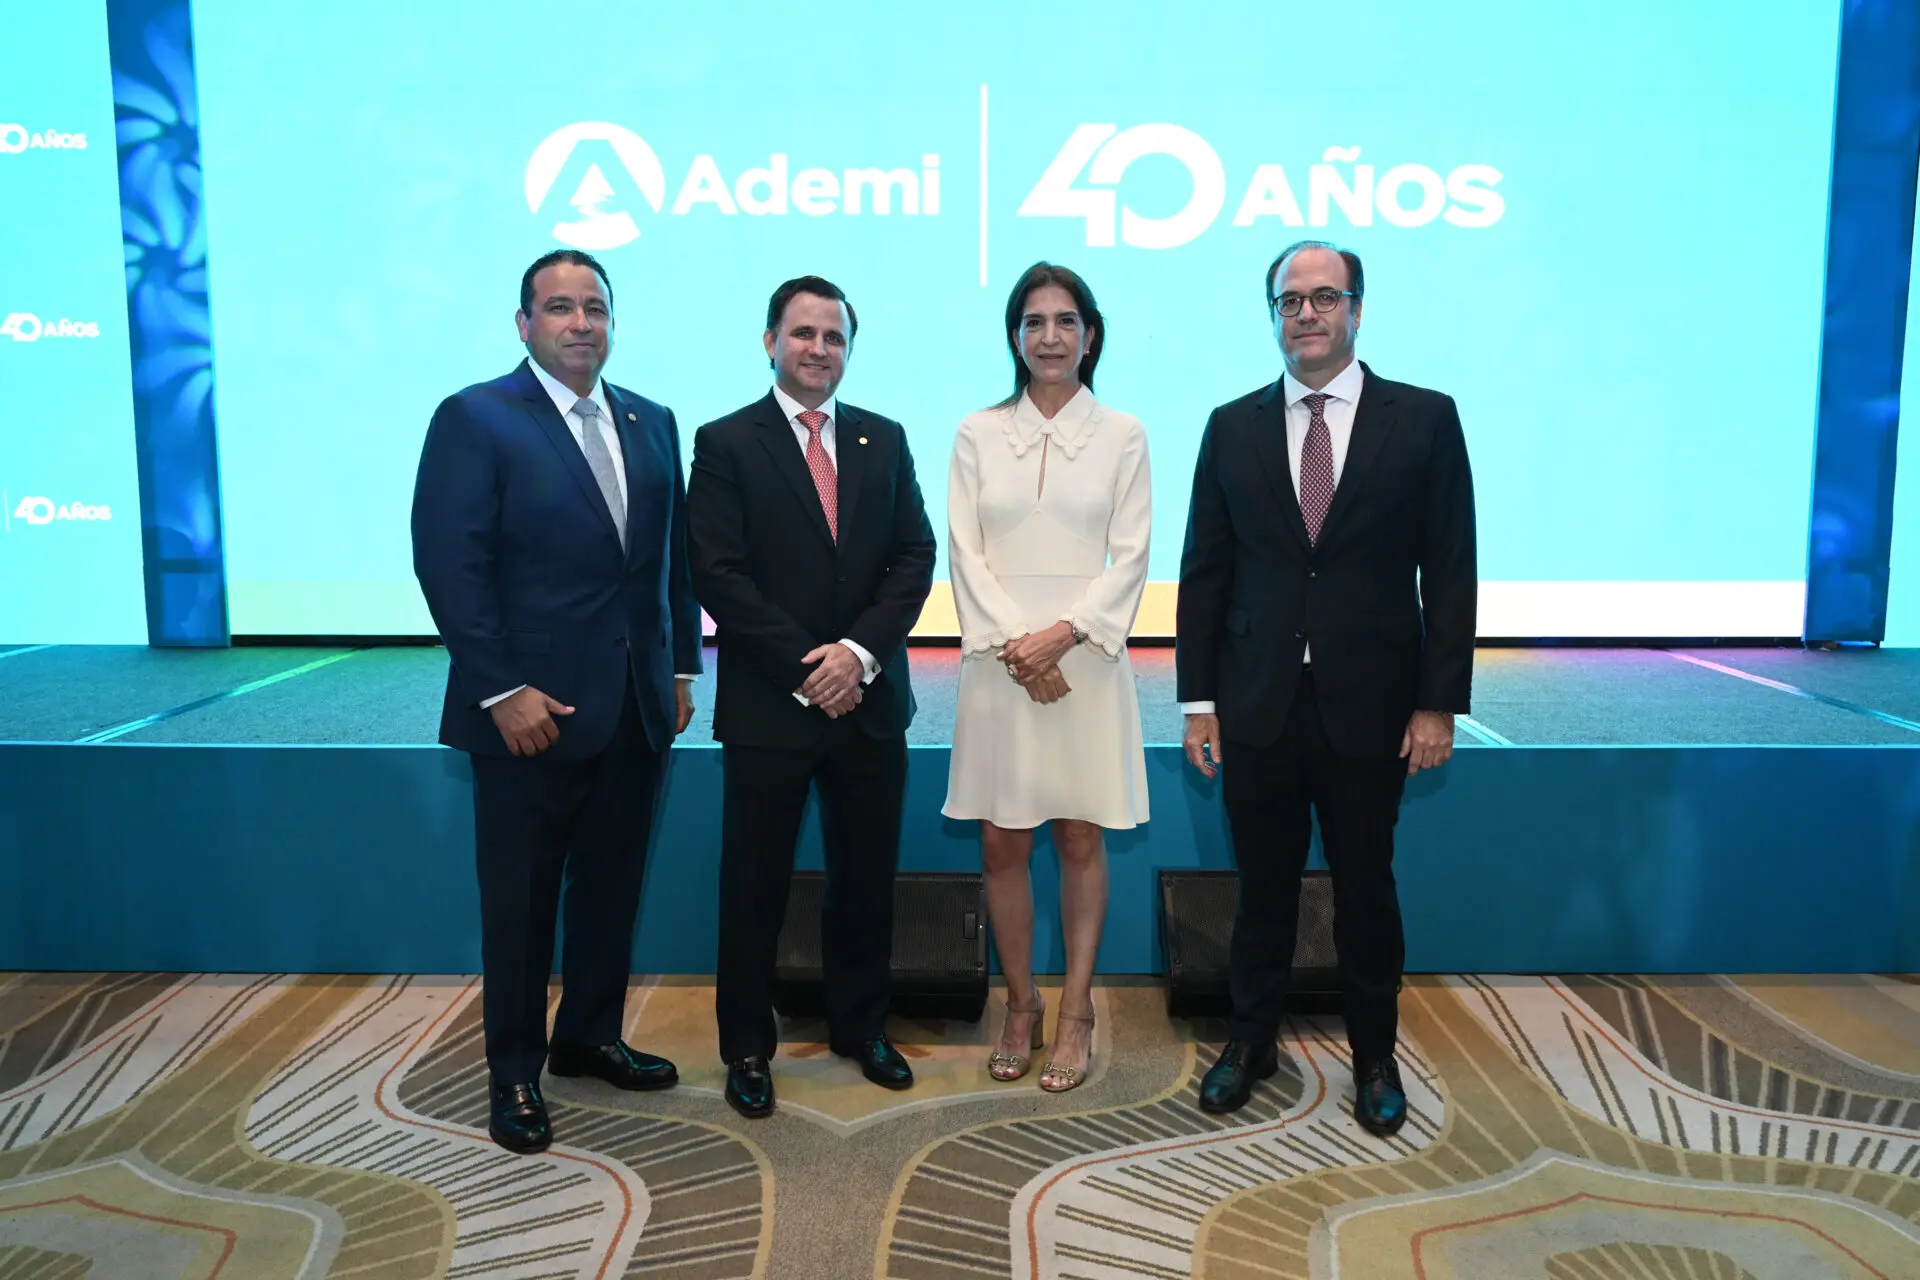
[{"x": 1049, "y": 510}]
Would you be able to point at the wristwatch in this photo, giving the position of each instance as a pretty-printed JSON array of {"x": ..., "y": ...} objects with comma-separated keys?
[{"x": 1079, "y": 636}]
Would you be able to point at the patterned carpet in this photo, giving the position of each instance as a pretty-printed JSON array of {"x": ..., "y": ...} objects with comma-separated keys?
[{"x": 186, "y": 1127}]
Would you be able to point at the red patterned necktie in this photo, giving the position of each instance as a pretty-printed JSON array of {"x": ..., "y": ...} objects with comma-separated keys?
[
  {"x": 1316, "y": 468},
  {"x": 825, "y": 482}
]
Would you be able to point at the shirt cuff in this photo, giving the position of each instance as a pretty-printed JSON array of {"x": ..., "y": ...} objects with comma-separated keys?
[
  {"x": 684, "y": 676},
  {"x": 868, "y": 667},
  {"x": 1196, "y": 709},
  {"x": 501, "y": 697}
]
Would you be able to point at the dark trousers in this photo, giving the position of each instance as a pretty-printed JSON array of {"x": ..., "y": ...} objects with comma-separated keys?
[
  {"x": 862, "y": 783},
  {"x": 540, "y": 822},
  {"x": 1271, "y": 795}
]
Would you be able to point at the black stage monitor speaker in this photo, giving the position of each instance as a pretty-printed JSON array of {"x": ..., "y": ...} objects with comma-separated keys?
[
  {"x": 939, "y": 946},
  {"x": 1196, "y": 926}
]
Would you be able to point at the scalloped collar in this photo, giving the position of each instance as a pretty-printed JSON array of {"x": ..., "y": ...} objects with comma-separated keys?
[{"x": 1071, "y": 428}]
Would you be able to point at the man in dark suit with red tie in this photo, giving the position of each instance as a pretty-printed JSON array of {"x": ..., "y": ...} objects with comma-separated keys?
[
  {"x": 549, "y": 537},
  {"x": 812, "y": 552},
  {"x": 1326, "y": 627}
]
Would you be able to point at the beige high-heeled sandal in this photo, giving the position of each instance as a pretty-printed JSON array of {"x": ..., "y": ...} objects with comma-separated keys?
[
  {"x": 1070, "y": 1077},
  {"x": 1006, "y": 1067}
]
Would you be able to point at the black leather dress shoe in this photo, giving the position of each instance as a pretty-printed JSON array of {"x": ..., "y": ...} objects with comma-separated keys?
[
  {"x": 879, "y": 1062},
  {"x": 618, "y": 1064},
  {"x": 519, "y": 1120},
  {"x": 1379, "y": 1103},
  {"x": 1229, "y": 1082},
  {"x": 750, "y": 1087}
]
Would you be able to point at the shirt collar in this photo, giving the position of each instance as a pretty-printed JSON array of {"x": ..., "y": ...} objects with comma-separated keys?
[
  {"x": 564, "y": 397},
  {"x": 1345, "y": 386},
  {"x": 793, "y": 408},
  {"x": 1071, "y": 427}
]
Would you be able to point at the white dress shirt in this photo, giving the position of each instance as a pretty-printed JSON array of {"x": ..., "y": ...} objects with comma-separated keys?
[
  {"x": 1343, "y": 397},
  {"x": 564, "y": 399},
  {"x": 828, "y": 441}
]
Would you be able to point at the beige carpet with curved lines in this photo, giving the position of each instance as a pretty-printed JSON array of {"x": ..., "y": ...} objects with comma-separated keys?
[{"x": 199, "y": 1126}]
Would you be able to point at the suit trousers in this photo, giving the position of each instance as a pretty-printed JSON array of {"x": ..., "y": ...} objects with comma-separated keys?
[
  {"x": 540, "y": 822},
  {"x": 862, "y": 782},
  {"x": 1272, "y": 794}
]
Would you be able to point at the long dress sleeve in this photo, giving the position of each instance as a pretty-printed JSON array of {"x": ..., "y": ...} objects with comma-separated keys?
[
  {"x": 1111, "y": 602},
  {"x": 989, "y": 618}
]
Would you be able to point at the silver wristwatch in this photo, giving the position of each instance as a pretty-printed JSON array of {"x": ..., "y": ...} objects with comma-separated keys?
[{"x": 1079, "y": 636}]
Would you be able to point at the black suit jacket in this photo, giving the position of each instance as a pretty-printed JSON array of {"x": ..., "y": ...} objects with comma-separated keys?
[
  {"x": 522, "y": 569},
  {"x": 1387, "y": 597},
  {"x": 769, "y": 573}
]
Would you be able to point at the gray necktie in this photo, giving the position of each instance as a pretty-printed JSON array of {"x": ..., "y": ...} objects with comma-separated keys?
[{"x": 600, "y": 462}]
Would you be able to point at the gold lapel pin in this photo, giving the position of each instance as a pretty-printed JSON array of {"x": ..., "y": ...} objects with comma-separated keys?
[{"x": 633, "y": 417}]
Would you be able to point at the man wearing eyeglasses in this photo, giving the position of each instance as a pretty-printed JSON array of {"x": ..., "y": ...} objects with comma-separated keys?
[{"x": 1326, "y": 628}]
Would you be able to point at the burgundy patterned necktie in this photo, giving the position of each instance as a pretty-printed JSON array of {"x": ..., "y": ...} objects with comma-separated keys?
[
  {"x": 1316, "y": 468},
  {"x": 825, "y": 482}
]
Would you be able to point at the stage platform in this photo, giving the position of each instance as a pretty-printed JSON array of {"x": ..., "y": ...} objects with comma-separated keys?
[
  {"x": 390, "y": 696},
  {"x": 1627, "y": 810}
]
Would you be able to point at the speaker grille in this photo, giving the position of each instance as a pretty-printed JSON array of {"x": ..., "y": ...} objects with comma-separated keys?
[
  {"x": 939, "y": 961},
  {"x": 1196, "y": 928}
]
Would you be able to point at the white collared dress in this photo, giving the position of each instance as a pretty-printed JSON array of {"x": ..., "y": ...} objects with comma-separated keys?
[{"x": 1048, "y": 520}]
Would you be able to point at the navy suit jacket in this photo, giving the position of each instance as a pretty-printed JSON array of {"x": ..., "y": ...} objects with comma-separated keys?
[{"x": 522, "y": 568}]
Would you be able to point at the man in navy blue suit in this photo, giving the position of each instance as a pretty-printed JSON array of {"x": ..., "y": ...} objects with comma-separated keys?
[{"x": 549, "y": 537}]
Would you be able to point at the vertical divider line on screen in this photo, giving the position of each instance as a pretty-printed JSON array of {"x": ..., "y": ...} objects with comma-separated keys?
[{"x": 983, "y": 186}]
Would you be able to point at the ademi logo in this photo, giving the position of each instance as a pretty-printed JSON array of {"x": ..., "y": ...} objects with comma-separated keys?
[
  {"x": 605, "y": 220},
  {"x": 1403, "y": 195},
  {"x": 15, "y": 138},
  {"x": 45, "y": 511},
  {"x": 24, "y": 326}
]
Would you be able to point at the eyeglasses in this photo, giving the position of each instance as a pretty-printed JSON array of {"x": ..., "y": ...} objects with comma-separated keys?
[{"x": 1324, "y": 300}]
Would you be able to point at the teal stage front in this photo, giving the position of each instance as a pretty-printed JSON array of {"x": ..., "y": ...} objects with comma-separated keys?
[{"x": 1784, "y": 837}]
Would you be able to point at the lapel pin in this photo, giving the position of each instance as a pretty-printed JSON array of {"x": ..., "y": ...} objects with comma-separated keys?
[
  {"x": 633, "y": 417},
  {"x": 863, "y": 439}
]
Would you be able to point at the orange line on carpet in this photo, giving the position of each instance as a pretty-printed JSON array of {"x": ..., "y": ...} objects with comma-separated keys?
[
  {"x": 380, "y": 1100},
  {"x": 225, "y": 1233},
  {"x": 1632, "y": 1055},
  {"x": 1033, "y": 1209},
  {"x": 1419, "y": 1237},
  {"x": 98, "y": 1045}
]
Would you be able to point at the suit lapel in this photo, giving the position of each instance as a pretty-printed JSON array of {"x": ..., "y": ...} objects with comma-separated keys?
[
  {"x": 776, "y": 435},
  {"x": 1372, "y": 423},
  {"x": 554, "y": 427},
  {"x": 850, "y": 457},
  {"x": 636, "y": 453},
  {"x": 1270, "y": 443}
]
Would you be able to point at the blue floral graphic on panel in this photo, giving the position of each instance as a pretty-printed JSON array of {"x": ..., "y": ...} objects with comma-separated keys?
[{"x": 164, "y": 231}]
